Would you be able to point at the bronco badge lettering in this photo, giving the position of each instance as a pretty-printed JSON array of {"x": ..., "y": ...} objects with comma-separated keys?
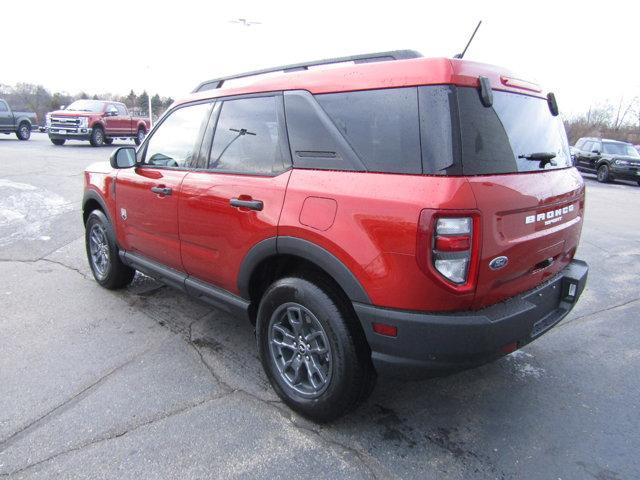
[{"x": 552, "y": 216}]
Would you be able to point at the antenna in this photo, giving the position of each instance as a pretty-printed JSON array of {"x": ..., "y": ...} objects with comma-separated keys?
[{"x": 460, "y": 55}]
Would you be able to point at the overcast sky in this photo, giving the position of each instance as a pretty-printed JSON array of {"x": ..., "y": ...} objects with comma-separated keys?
[{"x": 586, "y": 54}]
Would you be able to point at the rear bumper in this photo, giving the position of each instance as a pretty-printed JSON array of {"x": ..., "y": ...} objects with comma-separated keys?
[{"x": 428, "y": 343}]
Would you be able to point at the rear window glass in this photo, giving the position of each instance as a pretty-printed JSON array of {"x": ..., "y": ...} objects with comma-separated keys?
[
  {"x": 498, "y": 139},
  {"x": 381, "y": 125}
]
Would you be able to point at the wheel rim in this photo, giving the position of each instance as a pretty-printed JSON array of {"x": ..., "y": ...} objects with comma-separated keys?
[
  {"x": 99, "y": 137},
  {"x": 140, "y": 136},
  {"x": 601, "y": 173},
  {"x": 24, "y": 132},
  {"x": 99, "y": 251},
  {"x": 300, "y": 349}
]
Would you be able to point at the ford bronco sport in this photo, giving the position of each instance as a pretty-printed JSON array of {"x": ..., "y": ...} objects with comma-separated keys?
[
  {"x": 392, "y": 214},
  {"x": 608, "y": 159}
]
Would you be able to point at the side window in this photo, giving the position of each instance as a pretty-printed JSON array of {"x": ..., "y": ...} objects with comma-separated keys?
[
  {"x": 122, "y": 111},
  {"x": 247, "y": 137},
  {"x": 596, "y": 146},
  {"x": 175, "y": 141},
  {"x": 382, "y": 126},
  {"x": 3, "y": 107}
]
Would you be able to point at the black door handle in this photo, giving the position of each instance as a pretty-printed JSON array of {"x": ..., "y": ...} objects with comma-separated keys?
[
  {"x": 250, "y": 204},
  {"x": 161, "y": 190}
]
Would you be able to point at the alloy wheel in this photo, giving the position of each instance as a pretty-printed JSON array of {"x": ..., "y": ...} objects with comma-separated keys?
[
  {"x": 99, "y": 249},
  {"x": 300, "y": 349}
]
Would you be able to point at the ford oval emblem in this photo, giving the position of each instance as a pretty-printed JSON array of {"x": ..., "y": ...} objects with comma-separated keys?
[{"x": 498, "y": 263}]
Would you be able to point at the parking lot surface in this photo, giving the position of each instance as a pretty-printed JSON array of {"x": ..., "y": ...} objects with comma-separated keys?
[{"x": 149, "y": 383}]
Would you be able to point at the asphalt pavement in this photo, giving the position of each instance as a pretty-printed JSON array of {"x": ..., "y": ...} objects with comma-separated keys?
[{"x": 150, "y": 383}]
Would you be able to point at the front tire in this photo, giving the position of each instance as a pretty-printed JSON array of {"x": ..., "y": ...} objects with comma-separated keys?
[
  {"x": 311, "y": 349},
  {"x": 603, "y": 173},
  {"x": 102, "y": 253},
  {"x": 57, "y": 141},
  {"x": 97, "y": 137},
  {"x": 24, "y": 131}
]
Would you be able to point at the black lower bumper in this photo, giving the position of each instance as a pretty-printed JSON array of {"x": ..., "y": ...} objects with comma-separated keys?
[{"x": 429, "y": 343}]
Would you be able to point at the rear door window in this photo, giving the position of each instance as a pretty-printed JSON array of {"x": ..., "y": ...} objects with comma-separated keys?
[{"x": 248, "y": 137}]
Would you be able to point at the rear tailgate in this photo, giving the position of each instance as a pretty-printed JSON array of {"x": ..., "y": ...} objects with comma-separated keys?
[{"x": 533, "y": 219}]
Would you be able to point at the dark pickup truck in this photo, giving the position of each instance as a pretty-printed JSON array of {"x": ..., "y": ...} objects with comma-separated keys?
[
  {"x": 97, "y": 121},
  {"x": 19, "y": 123}
]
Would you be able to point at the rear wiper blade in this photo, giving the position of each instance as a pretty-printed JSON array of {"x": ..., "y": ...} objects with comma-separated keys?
[
  {"x": 542, "y": 157},
  {"x": 539, "y": 156}
]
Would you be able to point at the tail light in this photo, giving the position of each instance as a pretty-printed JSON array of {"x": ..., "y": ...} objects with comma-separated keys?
[
  {"x": 452, "y": 248},
  {"x": 448, "y": 247}
]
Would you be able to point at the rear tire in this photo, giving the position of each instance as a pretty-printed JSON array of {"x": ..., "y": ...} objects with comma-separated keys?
[
  {"x": 314, "y": 356},
  {"x": 57, "y": 141},
  {"x": 603, "y": 173},
  {"x": 139, "y": 138},
  {"x": 24, "y": 131},
  {"x": 97, "y": 137},
  {"x": 103, "y": 255}
]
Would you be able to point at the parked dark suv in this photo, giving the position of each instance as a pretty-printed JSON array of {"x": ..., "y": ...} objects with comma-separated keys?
[
  {"x": 608, "y": 159},
  {"x": 395, "y": 214}
]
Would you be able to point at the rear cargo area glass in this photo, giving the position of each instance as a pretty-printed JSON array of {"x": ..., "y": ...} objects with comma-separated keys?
[
  {"x": 432, "y": 130},
  {"x": 496, "y": 139}
]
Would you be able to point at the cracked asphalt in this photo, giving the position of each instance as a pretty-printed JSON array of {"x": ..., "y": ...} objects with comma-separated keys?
[{"x": 150, "y": 383}]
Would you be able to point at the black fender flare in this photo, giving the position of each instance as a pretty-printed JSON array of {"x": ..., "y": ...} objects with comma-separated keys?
[
  {"x": 21, "y": 120},
  {"x": 304, "y": 249},
  {"x": 93, "y": 195}
]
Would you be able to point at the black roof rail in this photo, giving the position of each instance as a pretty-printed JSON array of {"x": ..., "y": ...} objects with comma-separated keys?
[{"x": 364, "y": 58}]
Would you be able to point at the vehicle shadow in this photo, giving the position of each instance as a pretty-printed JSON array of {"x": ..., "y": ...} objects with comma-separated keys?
[{"x": 462, "y": 421}]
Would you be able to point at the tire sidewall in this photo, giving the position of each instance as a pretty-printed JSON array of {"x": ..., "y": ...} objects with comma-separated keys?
[
  {"x": 95, "y": 136},
  {"x": 24, "y": 131},
  {"x": 98, "y": 216},
  {"x": 332, "y": 320},
  {"x": 137, "y": 138},
  {"x": 606, "y": 175}
]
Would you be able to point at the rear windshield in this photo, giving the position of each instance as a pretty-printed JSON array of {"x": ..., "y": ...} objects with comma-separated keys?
[
  {"x": 499, "y": 139},
  {"x": 433, "y": 130}
]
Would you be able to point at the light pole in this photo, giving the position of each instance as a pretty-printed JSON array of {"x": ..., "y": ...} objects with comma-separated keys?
[{"x": 148, "y": 70}]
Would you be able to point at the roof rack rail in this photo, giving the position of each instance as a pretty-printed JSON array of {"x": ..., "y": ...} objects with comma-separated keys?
[{"x": 364, "y": 58}]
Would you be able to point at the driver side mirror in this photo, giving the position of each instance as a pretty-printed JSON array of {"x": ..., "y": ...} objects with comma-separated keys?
[
  {"x": 111, "y": 113},
  {"x": 123, "y": 157},
  {"x": 597, "y": 152}
]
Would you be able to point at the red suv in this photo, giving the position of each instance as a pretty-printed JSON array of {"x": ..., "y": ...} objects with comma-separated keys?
[{"x": 391, "y": 214}]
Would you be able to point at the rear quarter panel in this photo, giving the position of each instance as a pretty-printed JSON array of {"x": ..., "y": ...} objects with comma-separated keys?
[{"x": 374, "y": 229}]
